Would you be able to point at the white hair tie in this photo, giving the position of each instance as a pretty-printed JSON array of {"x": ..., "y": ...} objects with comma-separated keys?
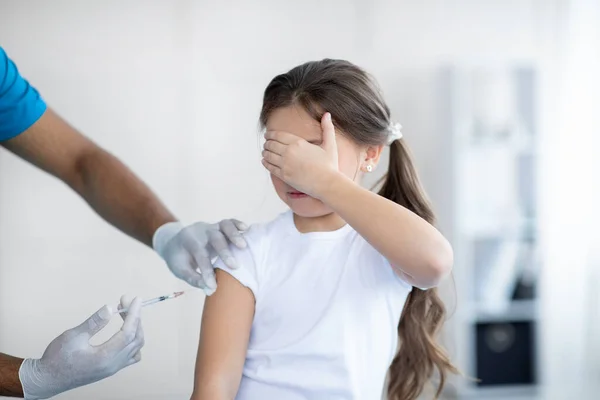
[{"x": 394, "y": 132}]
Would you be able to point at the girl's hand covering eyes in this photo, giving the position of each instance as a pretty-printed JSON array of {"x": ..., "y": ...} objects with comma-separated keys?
[{"x": 304, "y": 166}]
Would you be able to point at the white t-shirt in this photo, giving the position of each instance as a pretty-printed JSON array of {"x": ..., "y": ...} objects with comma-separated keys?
[{"x": 327, "y": 311}]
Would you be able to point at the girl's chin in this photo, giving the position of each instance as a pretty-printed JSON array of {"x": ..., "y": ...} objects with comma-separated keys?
[{"x": 308, "y": 207}]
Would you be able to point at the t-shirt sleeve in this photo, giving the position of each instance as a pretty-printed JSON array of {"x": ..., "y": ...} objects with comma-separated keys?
[
  {"x": 248, "y": 260},
  {"x": 379, "y": 272},
  {"x": 381, "y": 260},
  {"x": 20, "y": 103}
]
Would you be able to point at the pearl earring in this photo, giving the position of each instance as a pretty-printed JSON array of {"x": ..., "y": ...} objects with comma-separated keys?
[{"x": 369, "y": 168}]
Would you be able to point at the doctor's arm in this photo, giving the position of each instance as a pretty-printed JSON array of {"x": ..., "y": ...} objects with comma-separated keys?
[
  {"x": 108, "y": 186},
  {"x": 10, "y": 385},
  {"x": 225, "y": 332},
  {"x": 124, "y": 201}
]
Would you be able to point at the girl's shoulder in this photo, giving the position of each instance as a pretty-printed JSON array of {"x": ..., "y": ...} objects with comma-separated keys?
[
  {"x": 251, "y": 271},
  {"x": 260, "y": 232}
]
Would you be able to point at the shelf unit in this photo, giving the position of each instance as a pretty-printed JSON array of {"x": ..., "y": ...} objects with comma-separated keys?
[{"x": 489, "y": 122}]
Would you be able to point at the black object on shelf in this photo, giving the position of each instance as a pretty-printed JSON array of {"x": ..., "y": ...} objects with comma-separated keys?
[
  {"x": 524, "y": 290},
  {"x": 505, "y": 353}
]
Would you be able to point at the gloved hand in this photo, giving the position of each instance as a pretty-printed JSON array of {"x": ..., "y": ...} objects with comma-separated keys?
[
  {"x": 70, "y": 361},
  {"x": 189, "y": 251}
]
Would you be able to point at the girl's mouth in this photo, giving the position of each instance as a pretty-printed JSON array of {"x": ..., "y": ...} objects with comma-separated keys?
[{"x": 297, "y": 195}]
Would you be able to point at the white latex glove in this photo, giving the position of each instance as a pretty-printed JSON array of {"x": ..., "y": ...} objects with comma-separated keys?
[
  {"x": 189, "y": 251},
  {"x": 70, "y": 361}
]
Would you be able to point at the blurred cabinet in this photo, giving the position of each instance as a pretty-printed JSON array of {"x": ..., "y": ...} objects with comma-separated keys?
[{"x": 489, "y": 126}]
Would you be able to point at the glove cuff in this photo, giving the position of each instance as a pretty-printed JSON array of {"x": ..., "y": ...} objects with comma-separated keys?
[
  {"x": 163, "y": 235},
  {"x": 31, "y": 381}
]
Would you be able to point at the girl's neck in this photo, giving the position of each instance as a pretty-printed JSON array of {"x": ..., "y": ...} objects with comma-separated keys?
[{"x": 325, "y": 223}]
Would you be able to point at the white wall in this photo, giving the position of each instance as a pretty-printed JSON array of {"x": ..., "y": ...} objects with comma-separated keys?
[
  {"x": 174, "y": 89},
  {"x": 571, "y": 217}
]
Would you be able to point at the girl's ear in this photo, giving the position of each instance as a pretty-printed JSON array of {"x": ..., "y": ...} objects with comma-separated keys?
[{"x": 371, "y": 158}]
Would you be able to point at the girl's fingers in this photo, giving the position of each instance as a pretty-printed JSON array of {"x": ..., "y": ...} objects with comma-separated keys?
[
  {"x": 271, "y": 168},
  {"x": 275, "y": 147},
  {"x": 329, "y": 142},
  {"x": 272, "y": 158},
  {"x": 281, "y": 137}
]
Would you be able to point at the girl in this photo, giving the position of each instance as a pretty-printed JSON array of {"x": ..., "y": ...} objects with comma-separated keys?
[{"x": 312, "y": 311}]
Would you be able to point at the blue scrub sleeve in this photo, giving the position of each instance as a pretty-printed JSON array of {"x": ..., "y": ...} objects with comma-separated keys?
[{"x": 20, "y": 103}]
